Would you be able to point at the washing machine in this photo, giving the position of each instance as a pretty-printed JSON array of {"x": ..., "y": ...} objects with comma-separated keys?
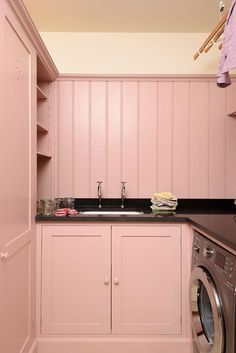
[{"x": 212, "y": 297}]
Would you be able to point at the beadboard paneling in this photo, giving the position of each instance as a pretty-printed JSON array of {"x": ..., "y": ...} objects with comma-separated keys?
[
  {"x": 217, "y": 137},
  {"x": 82, "y": 151},
  {"x": 181, "y": 153},
  {"x": 130, "y": 133},
  {"x": 231, "y": 143},
  {"x": 199, "y": 98},
  {"x": 98, "y": 135},
  {"x": 157, "y": 135},
  {"x": 114, "y": 152},
  {"x": 148, "y": 132},
  {"x": 65, "y": 153},
  {"x": 165, "y": 136}
]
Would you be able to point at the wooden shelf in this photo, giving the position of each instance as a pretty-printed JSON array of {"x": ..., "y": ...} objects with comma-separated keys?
[
  {"x": 40, "y": 94},
  {"x": 43, "y": 155},
  {"x": 41, "y": 128}
]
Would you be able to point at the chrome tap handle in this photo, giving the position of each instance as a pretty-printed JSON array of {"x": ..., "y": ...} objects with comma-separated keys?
[
  {"x": 99, "y": 193},
  {"x": 122, "y": 193}
]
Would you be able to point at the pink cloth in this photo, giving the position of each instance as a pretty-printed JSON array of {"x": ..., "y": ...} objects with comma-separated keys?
[{"x": 228, "y": 53}]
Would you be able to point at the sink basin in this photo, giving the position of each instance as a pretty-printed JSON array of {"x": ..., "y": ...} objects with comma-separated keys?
[{"x": 118, "y": 213}]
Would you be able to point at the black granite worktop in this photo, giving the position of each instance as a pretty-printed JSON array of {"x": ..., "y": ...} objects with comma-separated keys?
[{"x": 215, "y": 217}]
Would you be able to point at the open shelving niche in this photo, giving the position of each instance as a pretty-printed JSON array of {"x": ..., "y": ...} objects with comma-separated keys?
[{"x": 45, "y": 116}]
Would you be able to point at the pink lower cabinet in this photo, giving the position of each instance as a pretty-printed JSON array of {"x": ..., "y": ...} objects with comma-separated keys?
[
  {"x": 146, "y": 275},
  {"x": 115, "y": 280},
  {"x": 76, "y": 271}
]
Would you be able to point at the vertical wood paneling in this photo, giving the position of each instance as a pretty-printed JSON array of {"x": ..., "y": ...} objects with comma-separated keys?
[
  {"x": 82, "y": 139},
  {"x": 114, "y": 140},
  {"x": 147, "y": 139},
  {"x": 181, "y": 139},
  {"x": 231, "y": 101},
  {"x": 130, "y": 138},
  {"x": 98, "y": 137},
  {"x": 231, "y": 142},
  {"x": 199, "y": 154},
  {"x": 66, "y": 139},
  {"x": 230, "y": 157},
  {"x": 157, "y": 136},
  {"x": 165, "y": 137},
  {"x": 217, "y": 127}
]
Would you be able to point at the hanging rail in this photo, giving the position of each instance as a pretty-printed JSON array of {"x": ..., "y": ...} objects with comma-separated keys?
[{"x": 213, "y": 37}]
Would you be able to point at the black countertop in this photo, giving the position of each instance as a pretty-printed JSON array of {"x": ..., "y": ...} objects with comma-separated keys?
[{"x": 215, "y": 217}]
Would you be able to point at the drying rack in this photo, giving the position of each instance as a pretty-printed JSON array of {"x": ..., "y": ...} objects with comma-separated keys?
[{"x": 213, "y": 37}]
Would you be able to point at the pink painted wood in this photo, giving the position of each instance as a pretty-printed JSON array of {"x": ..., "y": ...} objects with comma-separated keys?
[
  {"x": 217, "y": 142},
  {"x": 165, "y": 137},
  {"x": 181, "y": 161},
  {"x": 66, "y": 139},
  {"x": 145, "y": 300},
  {"x": 76, "y": 279},
  {"x": 199, "y": 132},
  {"x": 148, "y": 148},
  {"x": 98, "y": 137},
  {"x": 130, "y": 149},
  {"x": 82, "y": 132},
  {"x": 17, "y": 179},
  {"x": 46, "y": 182},
  {"x": 114, "y": 152},
  {"x": 156, "y": 135},
  {"x": 231, "y": 104}
]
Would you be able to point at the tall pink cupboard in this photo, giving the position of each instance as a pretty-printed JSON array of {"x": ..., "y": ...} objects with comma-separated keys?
[{"x": 17, "y": 179}]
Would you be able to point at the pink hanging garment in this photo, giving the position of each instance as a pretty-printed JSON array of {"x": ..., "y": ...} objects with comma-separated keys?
[{"x": 228, "y": 53}]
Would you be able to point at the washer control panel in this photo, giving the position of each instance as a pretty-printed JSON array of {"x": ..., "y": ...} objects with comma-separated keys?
[
  {"x": 217, "y": 258},
  {"x": 209, "y": 252}
]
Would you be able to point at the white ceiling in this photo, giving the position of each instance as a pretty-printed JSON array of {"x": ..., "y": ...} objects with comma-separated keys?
[{"x": 125, "y": 15}]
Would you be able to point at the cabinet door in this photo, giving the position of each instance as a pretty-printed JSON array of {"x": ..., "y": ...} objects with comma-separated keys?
[
  {"x": 76, "y": 274},
  {"x": 17, "y": 180},
  {"x": 146, "y": 277}
]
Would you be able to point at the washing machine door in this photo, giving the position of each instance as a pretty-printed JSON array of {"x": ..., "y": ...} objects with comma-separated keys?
[{"x": 207, "y": 316}]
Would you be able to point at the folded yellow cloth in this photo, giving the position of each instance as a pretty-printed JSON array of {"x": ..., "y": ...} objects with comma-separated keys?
[{"x": 162, "y": 195}]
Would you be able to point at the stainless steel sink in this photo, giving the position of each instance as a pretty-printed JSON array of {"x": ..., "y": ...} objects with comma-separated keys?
[{"x": 118, "y": 213}]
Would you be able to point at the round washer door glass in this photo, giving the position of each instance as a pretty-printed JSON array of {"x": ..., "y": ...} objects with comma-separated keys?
[{"x": 207, "y": 319}]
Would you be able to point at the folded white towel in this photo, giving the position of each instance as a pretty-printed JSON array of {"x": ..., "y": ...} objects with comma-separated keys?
[{"x": 164, "y": 200}]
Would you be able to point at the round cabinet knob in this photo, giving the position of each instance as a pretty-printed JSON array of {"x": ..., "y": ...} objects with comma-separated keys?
[
  {"x": 106, "y": 281},
  {"x": 116, "y": 281},
  {"x": 3, "y": 255}
]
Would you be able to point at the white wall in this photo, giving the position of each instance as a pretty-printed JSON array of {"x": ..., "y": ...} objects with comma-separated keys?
[{"x": 130, "y": 53}]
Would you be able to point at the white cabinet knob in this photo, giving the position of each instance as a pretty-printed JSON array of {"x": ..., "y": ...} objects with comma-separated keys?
[
  {"x": 3, "y": 255},
  {"x": 116, "y": 281},
  {"x": 106, "y": 281}
]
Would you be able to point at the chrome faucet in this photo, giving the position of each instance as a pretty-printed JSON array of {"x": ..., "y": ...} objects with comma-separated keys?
[
  {"x": 99, "y": 194},
  {"x": 122, "y": 193}
]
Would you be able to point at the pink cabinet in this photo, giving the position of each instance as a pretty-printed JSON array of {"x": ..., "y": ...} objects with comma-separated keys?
[
  {"x": 141, "y": 295},
  {"x": 146, "y": 276},
  {"x": 17, "y": 180},
  {"x": 76, "y": 279}
]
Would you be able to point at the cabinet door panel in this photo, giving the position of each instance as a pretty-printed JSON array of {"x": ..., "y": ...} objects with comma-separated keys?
[
  {"x": 76, "y": 279},
  {"x": 17, "y": 180},
  {"x": 146, "y": 280}
]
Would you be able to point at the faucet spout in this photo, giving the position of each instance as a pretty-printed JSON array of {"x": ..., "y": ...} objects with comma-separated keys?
[
  {"x": 123, "y": 194},
  {"x": 99, "y": 193}
]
